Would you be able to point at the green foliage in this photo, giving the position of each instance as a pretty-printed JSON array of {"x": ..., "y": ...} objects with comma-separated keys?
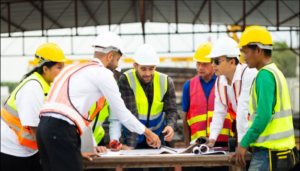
[
  {"x": 11, "y": 85},
  {"x": 285, "y": 60}
]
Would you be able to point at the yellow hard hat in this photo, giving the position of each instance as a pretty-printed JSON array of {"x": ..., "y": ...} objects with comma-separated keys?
[
  {"x": 49, "y": 52},
  {"x": 202, "y": 51},
  {"x": 255, "y": 34}
]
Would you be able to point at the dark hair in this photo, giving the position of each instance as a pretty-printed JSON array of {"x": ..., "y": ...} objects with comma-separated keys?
[
  {"x": 267, "y": 52},
  {"x": 39, "y": 69},
  {"x": 235, "y": 59}
]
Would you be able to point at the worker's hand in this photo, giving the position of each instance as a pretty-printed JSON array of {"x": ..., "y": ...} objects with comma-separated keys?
[
  {"x": 152, "y": 139},
  {"x": 211, "y": 143},
  {"x": 187, "y": 143},
  {"x": 170, "y": 133},
  {"x": 115, "y": 149},
  {"x": 100, "y": 149},
  {"x": 90, "y": 155},
  {"x": 125, "y": 147},
  {"x": 239, "y": 156}
]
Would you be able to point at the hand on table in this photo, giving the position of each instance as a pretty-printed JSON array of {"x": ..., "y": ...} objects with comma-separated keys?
[
  {"x": 211, "y": 143},
  {"x": 90, "y": 155},
  {"x": 125, "y": 147},
  {"x": 170, "y": 133},
  {"x": 239, "y": 156},
  {"x": 100, "y": 149}
]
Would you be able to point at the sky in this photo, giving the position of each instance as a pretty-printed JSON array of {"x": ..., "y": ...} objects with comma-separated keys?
[{"x": 14, "y": 65}]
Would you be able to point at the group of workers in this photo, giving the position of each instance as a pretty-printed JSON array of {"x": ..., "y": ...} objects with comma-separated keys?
[{"x": 44, "y": 117}]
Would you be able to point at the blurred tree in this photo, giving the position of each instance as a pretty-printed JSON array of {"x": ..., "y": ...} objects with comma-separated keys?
[
  {"x": 11, "y": 85},
  {"x": 285, "y": 60}
]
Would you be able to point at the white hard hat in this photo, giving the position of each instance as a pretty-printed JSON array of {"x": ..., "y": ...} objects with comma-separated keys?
[
  {"x": 146, "y": 55},
  {"x": 108, "y": 41},
  {"x": 225, "y": 46}
]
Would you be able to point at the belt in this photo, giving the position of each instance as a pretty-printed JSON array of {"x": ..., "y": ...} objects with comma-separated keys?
[{"x": 259, "y": 149}]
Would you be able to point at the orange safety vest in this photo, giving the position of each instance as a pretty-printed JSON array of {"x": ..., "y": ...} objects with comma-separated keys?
[
  {"x": 237, "y": 86},
  {"x": 200, "y": 113},
  {"x": 58, "y": 100}
]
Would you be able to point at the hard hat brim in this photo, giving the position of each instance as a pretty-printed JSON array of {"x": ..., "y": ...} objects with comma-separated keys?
[{"x": 203, "y": 61}]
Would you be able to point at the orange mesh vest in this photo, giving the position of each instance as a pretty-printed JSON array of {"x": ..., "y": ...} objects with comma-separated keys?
[{"x": 58, "y": 98}]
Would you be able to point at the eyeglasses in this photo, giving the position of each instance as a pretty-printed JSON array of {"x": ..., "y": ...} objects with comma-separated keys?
[{"x": 216, "y": 61}]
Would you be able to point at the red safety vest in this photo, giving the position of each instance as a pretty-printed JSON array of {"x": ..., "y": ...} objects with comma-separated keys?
[
  {"x": 200, "y": 113},
  {"x": 58, "y": 98},
  {"x": 237, "y": 86}
]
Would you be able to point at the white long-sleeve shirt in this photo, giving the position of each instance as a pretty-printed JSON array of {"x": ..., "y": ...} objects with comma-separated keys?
[
  {"x": 115, "y": 127},
  {"x": 88, "y": 85},
  {"x": 241, "y": 109}
]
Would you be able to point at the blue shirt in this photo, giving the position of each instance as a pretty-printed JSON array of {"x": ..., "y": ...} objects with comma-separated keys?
[{"x": 186, "y": 91}]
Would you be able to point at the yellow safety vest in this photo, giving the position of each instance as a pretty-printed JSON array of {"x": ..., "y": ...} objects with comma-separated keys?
[
  {"x": 10, "y": 115},
  {"x": 156, "y": 119},
  {"x": 96, "y": 124},
  {"x": 279, "y": 134}
]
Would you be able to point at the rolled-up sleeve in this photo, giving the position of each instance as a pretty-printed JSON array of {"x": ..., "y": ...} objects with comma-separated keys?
[{"x": 219, "y": 115}]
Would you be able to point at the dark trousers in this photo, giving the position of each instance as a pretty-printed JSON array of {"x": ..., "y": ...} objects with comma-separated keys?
[
  {"x": 13, "y": 163},
  {"x": 144, "y": 145},
  {"x": 59, "y": 145}
]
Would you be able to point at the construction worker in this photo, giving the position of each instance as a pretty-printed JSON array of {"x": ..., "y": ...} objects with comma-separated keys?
[
  {"x": 20, "y": 113},
  {"x": 198, "y": 103},
  {"x": 232, "y": 89},
  {"x": 271, "y": 132},
  {"x": 64, "y": 115},
  {"x": 150, "y": 96}
]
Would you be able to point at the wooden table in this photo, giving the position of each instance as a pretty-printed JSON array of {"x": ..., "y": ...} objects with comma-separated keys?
[{"x": 164, "y": 160}]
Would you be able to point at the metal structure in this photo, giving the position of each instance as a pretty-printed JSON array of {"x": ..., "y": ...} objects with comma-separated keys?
[{"x": 44, "y": 15}]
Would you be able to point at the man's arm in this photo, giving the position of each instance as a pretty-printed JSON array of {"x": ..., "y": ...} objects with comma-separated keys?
[
  {"x": 265, "y": 90},
  {"x": 220, "y": 112},
  {"x": 185, "y": 109},
  {"x": 170, "y": 106},
  {"x": 115, "y": 127},
  {"x": 242, "y": 112}
]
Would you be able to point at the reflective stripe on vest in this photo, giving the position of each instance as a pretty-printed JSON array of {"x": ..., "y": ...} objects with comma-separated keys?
[
  {"x": 58, "y": 99},
  {"x": 279, "y": 133},
  {"x": 156, "y": 116},
  {"x": 96, "y": 124},
  {"x": 10, "y": 115},
  {"x": 237, "y": 86},
  {"x": 200, "y": 113}
]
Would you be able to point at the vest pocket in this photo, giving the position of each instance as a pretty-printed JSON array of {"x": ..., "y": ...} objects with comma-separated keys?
[{"x": 281, "y": 160}]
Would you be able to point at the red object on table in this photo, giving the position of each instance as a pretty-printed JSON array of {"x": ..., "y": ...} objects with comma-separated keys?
[{"x": 114, "y": 144}]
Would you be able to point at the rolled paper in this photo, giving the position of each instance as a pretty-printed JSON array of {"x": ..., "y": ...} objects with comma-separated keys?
[
  {"x": 204, "y": 149},
  {"x": 196, "y": 150}
]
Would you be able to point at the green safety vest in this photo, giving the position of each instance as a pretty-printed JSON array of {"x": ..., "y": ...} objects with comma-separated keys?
[
  {"x": 10, "y": 115},
  {"x": 96, "y": 124},
  {"x": 279, "y": 134},
  {"x": 156, "y": 117}
]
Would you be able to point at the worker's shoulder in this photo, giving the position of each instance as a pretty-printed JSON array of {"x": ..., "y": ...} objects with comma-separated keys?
[
  {"x": 98, "y": 69},
  {"x": 265, "y": 74},
  {"x": 33, "y": 85}
]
